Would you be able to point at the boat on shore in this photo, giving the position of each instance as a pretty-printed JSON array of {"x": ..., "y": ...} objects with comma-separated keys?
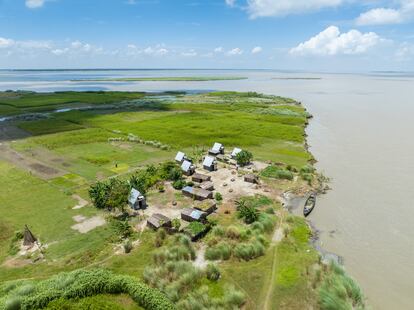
[{"x": 309, "y": 204}]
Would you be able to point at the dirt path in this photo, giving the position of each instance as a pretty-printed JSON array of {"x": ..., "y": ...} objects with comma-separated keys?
[
  {"x": 81, "y": 202},
  {"x": 277, "y": 237},
  {"x": 200, "y": 261}
]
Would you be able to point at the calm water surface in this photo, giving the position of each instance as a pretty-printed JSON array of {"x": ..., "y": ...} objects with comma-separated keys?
[{"x": 361, "y": 134}]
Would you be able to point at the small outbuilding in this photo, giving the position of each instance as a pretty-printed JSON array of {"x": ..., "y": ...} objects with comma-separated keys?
[
  {"x": 188, "y": 168},
  {"x": 251, "y": 178},
  {"x": 193, "y": 215},
  {"x": 217, "y": 149},
  {"x": 197, "y": 193},
  {"x": 28, "y": 238},
  {"x": 210, "y": 163},
  {"x": 235, "y": 151},
  {"x": 180, "y": 157},
  {"x": 200, "y": 178},
  {"x": 157, "y": 221},
  {"x": 207, "y": 206},
  {"x": 208, "y": 186},
  {"x": 136, "y": 200}
]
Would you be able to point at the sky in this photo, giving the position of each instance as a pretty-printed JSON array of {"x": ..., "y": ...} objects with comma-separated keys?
[{"x": 310, "y": 35}]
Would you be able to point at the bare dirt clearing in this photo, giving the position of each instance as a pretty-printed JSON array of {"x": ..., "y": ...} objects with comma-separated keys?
[
  {"x": 85, "y": 225},
  {"x": 81, "y": 202}
]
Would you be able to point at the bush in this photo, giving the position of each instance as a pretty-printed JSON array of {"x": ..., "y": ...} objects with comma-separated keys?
[
  {"x": 179, "y": 184},
  {"x": 247, "y": 212},
  {"x": 110, "y": 195},
  {"x": 212, "y": 272},
  {"x": 121, "y": 228},
  {"x": 243, "y": 158},
  {"x": 13, "y": 303},
  {"x": 128, "y": 246},
  {"x": 277, "y": 173},
  {"x": 248, "y": 251},
  {"x": 218, "y": 197},
  {"x": 176, "y": 223},
  {"x": 221, "y": 251}
]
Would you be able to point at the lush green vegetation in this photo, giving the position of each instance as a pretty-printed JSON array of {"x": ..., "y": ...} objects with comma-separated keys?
[
  {"x": 101, "y": 154},
  {"x": 169, "y": 79},
  {"x": 79, "y": 284}
]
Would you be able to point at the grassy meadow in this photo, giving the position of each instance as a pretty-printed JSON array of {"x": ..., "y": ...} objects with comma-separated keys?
[{"x": 99, "y": 144}]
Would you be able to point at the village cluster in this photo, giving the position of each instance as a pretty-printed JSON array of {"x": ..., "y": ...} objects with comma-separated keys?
[{"x": 204, "y": 183}]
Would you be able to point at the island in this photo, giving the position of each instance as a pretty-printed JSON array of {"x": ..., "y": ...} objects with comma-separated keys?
[{"x": 132, "y": 200}]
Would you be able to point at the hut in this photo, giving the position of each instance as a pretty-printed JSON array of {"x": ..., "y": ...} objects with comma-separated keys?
[
  {"x": 207, "y": 206},
  {"x": 200, "y": 178},
  {"x": 208, "y": 186},
  {"x": 193, "y": 215},
  {"x": 187, "y": 167},
  {"x": 209, "y": 163},
  {"x": 157, "y": 221},
  {"x": 197, "y": 193},
  {"x": 180, "y": 157},
  {"x": 217, "y": 149},
  {"x": 235, "y": 152},
  {"x": 136, "y": 200},
  {"x": 28, "y": 238},
  {"x": 251, "y": 178}
]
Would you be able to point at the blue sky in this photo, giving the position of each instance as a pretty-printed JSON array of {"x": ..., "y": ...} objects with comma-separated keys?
[{"x": 322, "y": 35}]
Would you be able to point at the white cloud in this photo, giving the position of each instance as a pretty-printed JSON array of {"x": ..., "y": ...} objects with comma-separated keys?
[
  {"x": 257, "y": 50},
  {"x": 230, "y": 2},
  {"x": 332, "y": 42},
  {"x": 5, "y": 43},
  {"x": 190, "y": 53},
  {"x": 405, "y": 52},
  {"x": 34, "y": 4},
  {"x": 218, "y": 49},
  {"x": 235, "y": 51},
  {"x": 265, "y": 8},
  {"x": 383, "y": 16}
]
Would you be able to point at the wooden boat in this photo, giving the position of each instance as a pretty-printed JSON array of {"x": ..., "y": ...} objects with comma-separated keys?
[{"x": 309, "y": 204}]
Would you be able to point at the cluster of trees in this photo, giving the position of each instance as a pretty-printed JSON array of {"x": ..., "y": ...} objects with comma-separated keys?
[
  {"x": 244, "y": 157},
  {"x": 113, "y": 194}
]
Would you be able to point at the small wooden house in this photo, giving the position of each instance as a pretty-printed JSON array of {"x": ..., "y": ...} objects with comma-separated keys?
[
  {"x": 251, "y": 178},
  {"x": 136, "y": 200},
  {"x": 208, "y": 186},
  {"x": 187, "y": 168},
  {"x": 210, "y": 163},
  {"x": 157, "y": 221},
  {"x": 193, "y": 215},
  {"x": 207, "y": 206},
  {"x": 197, "y": 193},
  {"x": 200, "y": 178},
  {"x": 217, "y": 149}
]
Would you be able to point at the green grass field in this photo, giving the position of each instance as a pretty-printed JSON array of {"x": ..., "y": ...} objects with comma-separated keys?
[{"x": 82, "y": 145}]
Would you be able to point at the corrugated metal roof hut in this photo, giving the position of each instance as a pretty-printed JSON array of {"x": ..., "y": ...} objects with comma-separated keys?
[
  {"x": 235, "y": 151},
  {"x": 180, "y": 157},
  {"x": 197, "y": 193},
  {"x": 157, "y": 221},
  {"x": 200, "y": 178},
  {"x": 209, "y": 163},
  {"x": 218, "y": 148},
  {"x": 187, "y": 167},
  {"x": 208, "y": 206},
  {"x": 208, "y": 186},
  {"x": 251, "y": 178},
  {"x": 136, "y": 200},
  {"x": 193, "y": 215}
]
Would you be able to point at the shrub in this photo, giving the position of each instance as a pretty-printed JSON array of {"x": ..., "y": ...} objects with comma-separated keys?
[
  {"x": 243, "y": 158},
  {"x": 212, "y": 272},
  {"x": 277, "y": 173},
  {"x": 233, "y": 232},
  {"x": 176, "y": 223},
  {"x": 160, "y": 237},
  {"x": 179, "y": 184},
  {"x": 220, "y": 251},
  {"x": 270, "y": 210},
  {"x": 13, "y": 303},
  {"x": 248, "y": 251},
  {"x": 247, "y": 212},
  {"x": 218, "y": 197},
  {"x": 128, "y": 246},
  {"x": 121, "y": 228},
  {"x": 110, "y": 195},
  {"x": 218, "y": 231}
]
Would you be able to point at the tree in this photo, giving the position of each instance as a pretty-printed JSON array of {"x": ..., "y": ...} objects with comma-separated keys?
[
  {"x": 97, "y": 193},
  {"x": 243, "y": 158},
  {"x": 110, "y": 195},
  {"x": 248, "y": 213}
]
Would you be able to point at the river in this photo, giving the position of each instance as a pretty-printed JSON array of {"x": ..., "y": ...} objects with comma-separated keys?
[{"x": 361, "y": 135}]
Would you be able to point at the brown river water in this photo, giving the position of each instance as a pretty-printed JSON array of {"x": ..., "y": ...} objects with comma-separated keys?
[{"x": 362, "y": 136}]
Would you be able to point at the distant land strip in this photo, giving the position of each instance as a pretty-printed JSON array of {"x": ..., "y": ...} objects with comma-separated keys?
[{"x": 165, "y": 79}]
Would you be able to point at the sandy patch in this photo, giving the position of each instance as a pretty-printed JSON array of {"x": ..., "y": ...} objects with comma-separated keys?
[
  {"x": 200, "y": 261},
  {"x": 81, "y": 202},
  {"x": 85, "y": 225}
]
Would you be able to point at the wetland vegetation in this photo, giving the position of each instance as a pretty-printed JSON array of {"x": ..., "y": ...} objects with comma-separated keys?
[{"x": 255, "y": 254}]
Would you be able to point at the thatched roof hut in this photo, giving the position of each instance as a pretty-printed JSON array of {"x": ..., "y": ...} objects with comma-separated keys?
[
  {"x": 157, "y": 221},
  {"x": 28, "y": 238},
  {"x": 197, "y": 193},
  {"x": 193, "y": 215},
  {"x": 200, "y": 178}
]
